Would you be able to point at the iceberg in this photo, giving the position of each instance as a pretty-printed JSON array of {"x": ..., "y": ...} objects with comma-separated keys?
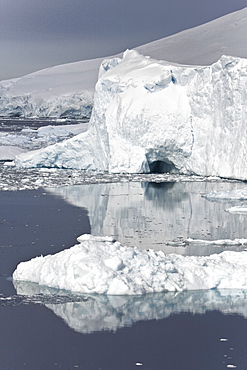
[
  {"x": 154, "y": 116},
  {"x": 104, "y": 266}
]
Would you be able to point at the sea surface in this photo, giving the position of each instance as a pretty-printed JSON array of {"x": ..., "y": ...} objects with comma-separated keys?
[{"x": 44, "y": 211}]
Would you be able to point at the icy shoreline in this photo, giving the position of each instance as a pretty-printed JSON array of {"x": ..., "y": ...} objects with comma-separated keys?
[{"x": 104, "y": 266}]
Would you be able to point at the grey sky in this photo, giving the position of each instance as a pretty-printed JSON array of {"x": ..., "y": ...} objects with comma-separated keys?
[{"x": 36, "y": 34}]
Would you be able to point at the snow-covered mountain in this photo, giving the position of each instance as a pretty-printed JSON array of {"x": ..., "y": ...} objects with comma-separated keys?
[{"x": 67, "y": 90}]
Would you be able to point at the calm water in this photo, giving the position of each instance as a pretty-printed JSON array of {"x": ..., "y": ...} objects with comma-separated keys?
[
  {"x": 46, "y": 329},
  {"x": 152, "y": 215},
  {"x": 41, "y": 328}
]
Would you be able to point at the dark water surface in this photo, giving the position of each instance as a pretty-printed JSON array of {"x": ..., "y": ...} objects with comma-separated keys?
[
  {"x": 45, "y": 329},
  {"x": 34, "y": 338},
  {"x": 14, "y": 125}
]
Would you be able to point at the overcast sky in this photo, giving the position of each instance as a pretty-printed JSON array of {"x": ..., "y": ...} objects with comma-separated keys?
[{"x": 36, "y": 34}]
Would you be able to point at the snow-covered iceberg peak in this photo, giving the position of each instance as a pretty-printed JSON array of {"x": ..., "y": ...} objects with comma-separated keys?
[
  {"x": 154, "y": 116},
  {"x": 103, "y": 265}
]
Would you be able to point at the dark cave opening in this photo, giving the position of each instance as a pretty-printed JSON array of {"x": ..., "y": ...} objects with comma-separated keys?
[{"x": 161, "y": 167}]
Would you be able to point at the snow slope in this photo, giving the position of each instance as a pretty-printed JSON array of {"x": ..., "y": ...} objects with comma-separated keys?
[
  {"x": 205, "y": 44},
  {"x": 154, "y": 116},
  {"x": 67, "y": 90},
  {"x": 102, "y": 265}
]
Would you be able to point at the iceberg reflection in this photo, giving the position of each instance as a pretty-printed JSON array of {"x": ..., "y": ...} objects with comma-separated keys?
[
  {"x": 93, "y": 313},
  {"x": 152, "y": 215}
]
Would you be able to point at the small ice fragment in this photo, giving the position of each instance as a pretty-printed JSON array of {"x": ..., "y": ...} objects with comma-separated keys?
[{"x": 223, "y": 339}]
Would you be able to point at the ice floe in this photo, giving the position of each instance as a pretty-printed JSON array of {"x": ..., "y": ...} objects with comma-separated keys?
[
  {"x": 105, "y": 266},
  {"x": 237, "y": 210},
  {"x": 235, "y": 194}
]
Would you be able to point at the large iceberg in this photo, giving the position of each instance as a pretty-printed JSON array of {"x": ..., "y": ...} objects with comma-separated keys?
[
  {"x": 153, "y": 116},
  {"x": 102, "y": 265}
]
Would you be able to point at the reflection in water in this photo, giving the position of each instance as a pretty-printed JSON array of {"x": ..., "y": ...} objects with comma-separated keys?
[
  {"x": 149, "y": 215},
  {"x": 101, "y": 312}
]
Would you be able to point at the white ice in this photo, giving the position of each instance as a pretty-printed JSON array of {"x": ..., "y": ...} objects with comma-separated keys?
[
  {"x": 104, "y": 266},
  {"x": 14, "y": 143},
  {"x": 8, "y": 152},
  {"x": 60, "y": 91},
  {"x": 237, "y": 210},
  {"x": 236, "y": 194},
  {"x": 150, "y": 115}
]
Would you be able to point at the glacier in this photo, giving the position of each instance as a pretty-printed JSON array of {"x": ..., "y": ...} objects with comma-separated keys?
[
  {"x": 60, "y": 91},
  {"x": 154, "y": 116},
  {"x": 104, "y": 266}
]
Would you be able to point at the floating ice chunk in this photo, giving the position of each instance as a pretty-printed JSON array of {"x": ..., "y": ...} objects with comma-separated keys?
[
  {"x": 216, "y": 242},
  {"x": 85, "y": 237},
  {"x": 108, "y": 267},
  {"x": 237, "y": 210},
  {"x": 238, "y": 194},
  {"x": 62, "y": 130}
]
